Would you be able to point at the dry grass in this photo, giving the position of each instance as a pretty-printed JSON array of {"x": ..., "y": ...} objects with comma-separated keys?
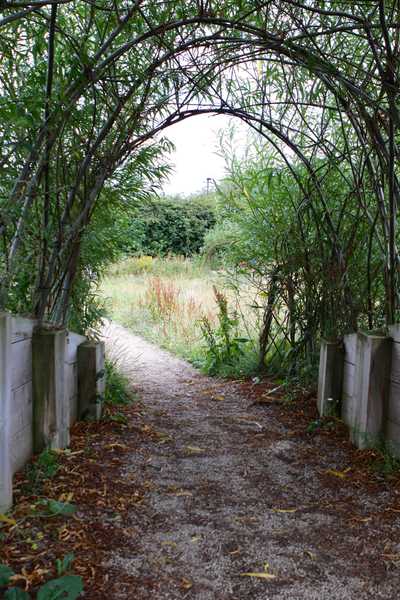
[{"x": 163, "y": 301}]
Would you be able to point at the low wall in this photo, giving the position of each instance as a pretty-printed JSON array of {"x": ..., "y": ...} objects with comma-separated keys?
[
  {"x": 369, "y": 397},
  {"x": 41, "y": 395}
]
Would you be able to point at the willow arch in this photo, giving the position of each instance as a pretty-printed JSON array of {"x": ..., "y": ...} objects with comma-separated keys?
[{"x": 113, "y": 77}]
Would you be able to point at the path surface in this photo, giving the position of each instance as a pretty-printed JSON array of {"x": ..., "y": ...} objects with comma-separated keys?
[{"x": 231, "y": 492}]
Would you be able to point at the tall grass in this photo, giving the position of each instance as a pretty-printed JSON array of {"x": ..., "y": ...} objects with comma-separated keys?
[
  {"x": 163, "y": 300},
  {"x": 166, "y": 300}
]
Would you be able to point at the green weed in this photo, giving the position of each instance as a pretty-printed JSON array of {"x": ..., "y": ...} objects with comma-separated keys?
[
  {"x": 66, "y": 586},
  {"x": 117, "y": 390},
  {"x": 225, "y": 351},
  {"x": 45, "y": 467},
  {"x": 387, "y": 462}
]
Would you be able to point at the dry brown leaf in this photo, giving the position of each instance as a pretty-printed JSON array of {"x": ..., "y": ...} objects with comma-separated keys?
[
  {"x": 116, "y": 445},
  {"x": 186, "y": 584},
  {"x": 285, "y": 510},
  {"x": 340, "y": 474},
  {"x": 66, "y": 497}
]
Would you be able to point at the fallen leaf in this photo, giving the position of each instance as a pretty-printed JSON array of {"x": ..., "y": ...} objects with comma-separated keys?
[
  {"x": 340, "y": 474},
  {"x": 218, "y": 397},
  {"x": 116, "y": 445},
  {"x": 285, "y": 510},
  {"x": 194, "y": 449},
  {"x": 186, "y": 584},
  {"x": 259, "y": 575},
  {"x": 168, "y": 543},
  {"x": 262, "y": 575},
  {"x": 66, "y": 497},
  {"x": 394, "y": 557},
  {"x": 5, "y": 519}
]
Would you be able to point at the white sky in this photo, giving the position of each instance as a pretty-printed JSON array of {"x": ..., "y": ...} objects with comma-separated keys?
[{"x": 195, "y": 157}]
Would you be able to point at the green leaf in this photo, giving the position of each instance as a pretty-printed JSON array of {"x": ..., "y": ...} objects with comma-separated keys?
[
  {"x": 5, "y": 574},
  {"x": 68, "y": 587},
  {"x": 61, "y": 508},
  {"x": 16, "y": 594},
  {"x": 64, "y": 565}
]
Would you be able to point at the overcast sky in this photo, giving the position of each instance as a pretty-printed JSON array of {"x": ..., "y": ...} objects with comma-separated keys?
[{"x": 195, "y": 158}]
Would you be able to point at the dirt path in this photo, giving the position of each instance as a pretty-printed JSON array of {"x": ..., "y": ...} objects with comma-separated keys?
[{"x": 230, "y": 490}]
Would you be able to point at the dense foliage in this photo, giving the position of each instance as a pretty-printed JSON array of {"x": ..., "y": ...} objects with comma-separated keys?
[
  {"x": 271, "y": 236},
  {"x": 162, "y": 227},
  {"x": 87, "y": 87}
]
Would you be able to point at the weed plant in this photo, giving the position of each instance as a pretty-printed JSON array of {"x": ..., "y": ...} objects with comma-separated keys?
[
  {"x": 44, "y": 468},
  {"x": 117, "y": 390},
  {"x": 225, "y": 349}
]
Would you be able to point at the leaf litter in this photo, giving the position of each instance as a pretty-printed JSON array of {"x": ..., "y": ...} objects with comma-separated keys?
[{"x": 304, "y": 500}]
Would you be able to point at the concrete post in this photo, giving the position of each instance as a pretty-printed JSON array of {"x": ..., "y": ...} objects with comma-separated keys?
[
  {"x": 330, "y": 377},
  {"x": 5, "y": 413},
  {"x": 50, "y": 414},
  {"x": 91, "y": 380},
  {"x": 351, "y": 377},
  {"x": 373, "y": 360}
]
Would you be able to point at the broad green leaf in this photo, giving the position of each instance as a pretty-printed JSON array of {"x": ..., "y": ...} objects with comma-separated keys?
[
  {"x": 16, "y": 594},
  {"x": 68, "y": 587},
  {"x": 5, "y": 574},
  {"x": 61, "y": 508}
]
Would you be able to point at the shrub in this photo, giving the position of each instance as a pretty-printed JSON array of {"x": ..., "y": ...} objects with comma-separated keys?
[{"x": 165, "y": 227}]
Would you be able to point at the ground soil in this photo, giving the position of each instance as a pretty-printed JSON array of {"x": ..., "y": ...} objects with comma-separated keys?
[
  {"x": 235, "y": 489},
  {"x": 212, "y": 490}
]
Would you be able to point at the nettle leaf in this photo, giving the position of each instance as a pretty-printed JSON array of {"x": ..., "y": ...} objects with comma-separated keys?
[
  {"x": 16, "y": 594},
  {"x": 5, "y": 574},
  {"x": 68, "y": 587}
]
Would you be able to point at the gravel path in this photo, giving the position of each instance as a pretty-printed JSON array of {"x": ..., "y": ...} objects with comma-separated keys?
[{"x": 230, "y": 492}]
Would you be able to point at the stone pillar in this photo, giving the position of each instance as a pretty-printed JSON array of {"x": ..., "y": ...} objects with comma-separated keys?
[
  {"x": 373, "y": 361},
  {"x": 91, "y": 380},
  {"x": 330, "y": 377},
  {"x": 50, "y": 414},
  {"x": 5, "y": 413}
]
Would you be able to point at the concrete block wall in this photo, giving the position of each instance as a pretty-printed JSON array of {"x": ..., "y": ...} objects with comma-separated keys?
[
  {"x": 21, "y": 437},
  {"x": 40, "y": 392},
  {"x": 370, "y": 395}
]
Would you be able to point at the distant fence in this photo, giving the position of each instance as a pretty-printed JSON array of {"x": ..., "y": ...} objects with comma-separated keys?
[
  {"x": 48, "y": 379},
  {"x": 359, "y": 379}
]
